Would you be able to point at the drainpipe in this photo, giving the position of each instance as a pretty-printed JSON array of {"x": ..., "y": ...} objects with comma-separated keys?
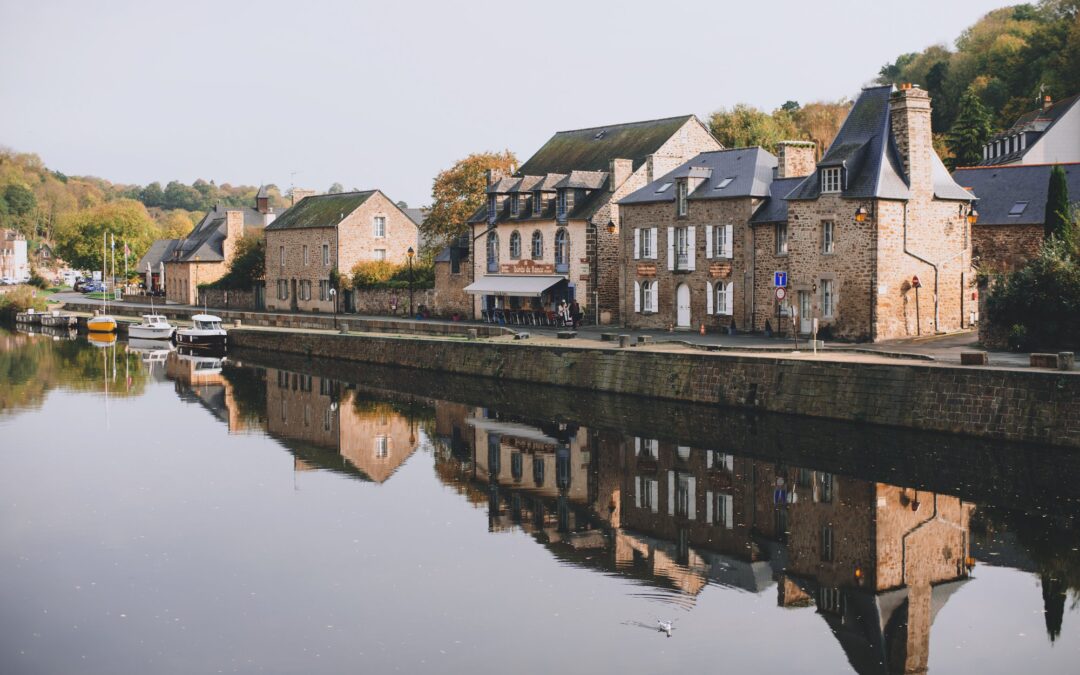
[{"x": 936, "y": 267}]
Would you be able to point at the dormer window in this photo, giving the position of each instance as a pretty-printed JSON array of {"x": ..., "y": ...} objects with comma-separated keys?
[
  {"x": 538, "y": 202},
  {"x": 830, "y": 179},
  {"x": 681, "y": 206},
  {"x": 514, "y": 205},
  {"x": 493, "y": 202}
]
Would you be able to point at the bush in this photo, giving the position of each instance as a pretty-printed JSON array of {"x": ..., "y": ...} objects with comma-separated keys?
[
  {"x": 246, "y": 267},
  {"x": 19, "y": 300},
  {"x": 385, "y": 274},
  {"x": 38, "y": 280},
  {"x": 1039, "y": 305}
]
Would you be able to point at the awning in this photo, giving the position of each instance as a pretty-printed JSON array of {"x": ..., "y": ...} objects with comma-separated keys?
[{"x": 531, "y": 286}]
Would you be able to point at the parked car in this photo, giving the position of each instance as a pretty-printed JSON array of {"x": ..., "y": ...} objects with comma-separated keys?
[
  {"x": 8, "y": 281},
  {"x": 79, "y": 284},
  {"x": 93, "y": 287}
]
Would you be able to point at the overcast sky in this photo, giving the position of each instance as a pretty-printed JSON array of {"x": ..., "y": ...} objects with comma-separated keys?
[{"x": 387, "y": 94}]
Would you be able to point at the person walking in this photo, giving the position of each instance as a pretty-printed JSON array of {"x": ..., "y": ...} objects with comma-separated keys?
[
  {"x": 564, "y": 313},
  {"x": 575, "y": 314}
]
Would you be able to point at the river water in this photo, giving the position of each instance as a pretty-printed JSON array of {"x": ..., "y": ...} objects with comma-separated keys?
[{"x": 163, "y": 513}]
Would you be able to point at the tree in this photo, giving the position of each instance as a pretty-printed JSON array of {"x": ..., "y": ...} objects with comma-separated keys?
[
  {"x": 744, "y": 126},
  {"x": 152, "y": 195},
  {"x": 820, "y": 121},
  {"x": 247, "y": 265},
  {"x": 20, "y": 200},
  {"x": 336, "y": 188},
  {"x": 970, "y": 132},
  {"x": 458, "y": 192},
  {"x": 1058, "y": 222},
  {"x": 175, "y": 224},
  {"x": 79, "y": 234}
]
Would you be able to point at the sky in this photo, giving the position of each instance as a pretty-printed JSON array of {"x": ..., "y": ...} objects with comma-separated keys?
[{"x": 385, "y": 95}]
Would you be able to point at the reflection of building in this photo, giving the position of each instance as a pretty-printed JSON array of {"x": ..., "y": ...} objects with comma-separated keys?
[
  {"x": 198, "y": 379},
  {"x": 370, "y": 438}
]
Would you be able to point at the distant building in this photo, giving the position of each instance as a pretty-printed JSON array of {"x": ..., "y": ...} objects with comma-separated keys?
[
  {"x": 1047, "y": 135},
  {"x": 324, "y": 233},
  {"x": 1012, "y": 210},
  {"x": 13, "y": 262}
]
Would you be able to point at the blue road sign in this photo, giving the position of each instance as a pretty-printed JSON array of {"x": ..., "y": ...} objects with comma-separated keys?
[{"x": 779, "y": 279}]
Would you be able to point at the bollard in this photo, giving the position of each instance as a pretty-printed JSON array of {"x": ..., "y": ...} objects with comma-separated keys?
[
  {"x": 624, "y": 341},
  {"x": 974, "y": 359},
  {"x": 1066, "y": 360},
  {"x": 236, "y": 323},
  {"x": 473, "y": 334},
  {"x": 344, "y": 327},
  {"x": 1038, "y": 360}
]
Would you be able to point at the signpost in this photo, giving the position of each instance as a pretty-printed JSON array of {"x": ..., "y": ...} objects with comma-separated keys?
[
  {"x": 915, "y": 283},
  {"x": 779, "y": 279}
]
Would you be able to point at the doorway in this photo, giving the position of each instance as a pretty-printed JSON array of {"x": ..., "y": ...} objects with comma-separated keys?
[
  {"x": 806, "y": 323},
  {"x": 682, "y": 305}
]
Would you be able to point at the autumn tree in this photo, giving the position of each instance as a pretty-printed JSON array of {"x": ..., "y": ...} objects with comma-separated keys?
[
  {"x": 970, "y": 132},
  {"x": 175, "y": 224},
  {"x": 820, "y": 121},
  {"x": 744, "y": 126},
  {"x": 79, "y": 234},
  {"x": 458, "y": 192}
]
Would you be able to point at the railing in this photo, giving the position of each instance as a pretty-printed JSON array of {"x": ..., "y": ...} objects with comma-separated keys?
[
  {"x": 562, "y": 268},
  {"x": 682, "y": 262},
  {"x": 493, "y": 266}
]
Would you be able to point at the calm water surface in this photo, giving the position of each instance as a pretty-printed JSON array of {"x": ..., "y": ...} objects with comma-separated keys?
[{"x": 161, "y": 513}]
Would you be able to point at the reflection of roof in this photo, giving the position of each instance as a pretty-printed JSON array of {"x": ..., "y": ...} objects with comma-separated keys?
[
  {"x": 1000, "y": 189},
  {"x": 321, "y": 210},
  {"x": 743, "y": 172},
  {"x": 319, "y": 457},
  {"x": 513, "y": 429}
]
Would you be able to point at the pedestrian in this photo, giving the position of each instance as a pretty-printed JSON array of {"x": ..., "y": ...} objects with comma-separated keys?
[
  {"x": 575, "y": 313},
  {"x": 564, "y": 313}
]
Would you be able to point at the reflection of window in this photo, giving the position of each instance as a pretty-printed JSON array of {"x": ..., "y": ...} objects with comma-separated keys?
[
  {"x": 538, "y": 471},
  {"x": 516, "y": 466},
  {"x": 721, "y": 460},
  {"x": 645, "y": 494},
  {"x": 831, "y": 600},
  {"x": 825, "y": 487},
  {"x": 382, "y": 447},
  {"x": 307, "y": 415},
  {"x": 684, "y": 496},
  {"x": 826, "y": 543},
  {"x": 646, "y": 448},
  {"x": 284, "y": 411},
  {"x": 780, "y": 523},
  {"x": 722, "y": 510},
  {"x": 683, "y": 452},
  {"x": 328, "y": 420}
]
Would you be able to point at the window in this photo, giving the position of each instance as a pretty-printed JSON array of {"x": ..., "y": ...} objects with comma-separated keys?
[
  {"x": 538, "y": 202},
  {"x": 538, "y": 471},
  {"x": 722, "y": 244},
  {"x": 682, "y": 248},
  {"x": 324, "y": 289},
  {"x": 326, "y": 255},
  {"x": 281, "y": 256},
  {"x": 722, "y": 511},
  {"x": 781, "y": 239},
  {"x": 537, "y": 245},
  {"x": 515, "y": 245},
  {"x": 493, "y": 252},
  {"x": 826, "y": 543},
  {"x": 493, "y": 203},
  {"x": 1018, "y": 209},
  {"x": 305, "y": 289},
  {"x": 723, "y": 184},
  {"x": 562, "y": 204},
  {"x": 684, "y": 496},
  {"x": 725, "y": 300},
  {"x": 645, "y": 296},
  {"x": 646, "y": 448},
  {"x": 663, "y": 188},
  {"x": 379, "y": 226},
  {"x": 562, "y": 251},
  {"x": 380, "y": 254},
  {"x": 830, "y": 180},
  {"x": 283, "y": 289},
  {"x": 681, "y": 207},
  {"x": 828, "y": 298},
  {"x": 644, "y": 242},
  {"x": 825, "y": 488},
  {"x": 645, "y": 496},
  {"x": 381, "y": 447},
  {"x": 514, "y": 205},
  {"x": 304, "y": 254},
  {"x": 827, "y": 236}
]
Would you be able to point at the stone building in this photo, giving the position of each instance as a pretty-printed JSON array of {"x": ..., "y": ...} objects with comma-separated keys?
[
  {"x": 452, "y": 275},
  {"x": 202, "y": 257},
  {"x": 13, "y": 261},
  {"x": 1047, "y": 135},
  {"x": 321, "y": 234},
  {"x": 550, "y": 231},
  {"x": 1012, "y": 211}
]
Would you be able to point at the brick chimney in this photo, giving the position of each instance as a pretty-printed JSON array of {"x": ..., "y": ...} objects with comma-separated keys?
[
  {"x": 909, "y": 112},
  {"x": 795, "y": 158},
  {"x": 1047, "y": 102},
  {"x": 234, "y": 229},
  {"x": 298, "y": 194},
  {"x": 494, "y": 176},
  {"x": 619, "y": 171}
]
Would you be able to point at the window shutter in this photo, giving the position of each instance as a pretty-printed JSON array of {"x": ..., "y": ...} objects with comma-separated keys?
[
  {"x": 729, "y": 241},
  {"x": 637, "y": 445},
  {"x": 691, "y": 248},
  {"x": 652, "y": 243},
  {"x": 653, "y": 297},
  {"x": 708, "y": 241},
  {"x": 691, "y": 498},
  {"x": 637, "y": 308},
  {"x": 729, "y": 512},
  {"x": 729, "y": 299},
  {"x": 637, "y": 491},
  {"x": 671, "y": 248},
  {"x": 708, "y": 506},
  {"x": 637, "y": 243},
  {"x": 671, "y": 493},
  {"x": 708, "y": 297}
]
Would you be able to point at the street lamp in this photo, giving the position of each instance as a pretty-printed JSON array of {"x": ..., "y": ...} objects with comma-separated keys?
[
  {"x": 333, "y": 299},
  {"x": 410, "y": 253}
]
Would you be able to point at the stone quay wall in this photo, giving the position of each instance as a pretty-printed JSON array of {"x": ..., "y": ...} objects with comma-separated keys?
[{"x": 1037, "y": 407}]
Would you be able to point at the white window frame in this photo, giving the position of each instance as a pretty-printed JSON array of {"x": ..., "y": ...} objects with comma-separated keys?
[
  {"x": 828, "y": 298},
  {"x": 378, "y": 227},
  {"x": 281, "y": 257},
  {"x": 681, "y": 194},
  {"x": 781, "y": 239},
  {"x": 304, "y": 254},
  {"x": 828, "y": 237},
  {"x": 720, "y": 241},
  {"x": 379, "y": 253},
  {"x": 326, "y": 255},
  {"x": 645, "y": 296},
  {"x": 831, "y": 180}
]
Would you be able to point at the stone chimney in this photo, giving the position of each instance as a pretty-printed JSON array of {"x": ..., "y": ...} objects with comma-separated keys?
[
  {"x": 298, "y": 194},
  {"x": 1047, "y": 102},
  {"x": 795, "y": 159},
  {"x": 234, "y": 229},
  {"x": 910, "y": 117},
  {"x": 619, "y": 172},
  {"x": 494, "y": 176}
]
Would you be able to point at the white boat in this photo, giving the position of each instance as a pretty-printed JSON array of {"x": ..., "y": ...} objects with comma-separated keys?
[
  {"x": 206, "y": 333},
  {"x": 152, "y": 327}
]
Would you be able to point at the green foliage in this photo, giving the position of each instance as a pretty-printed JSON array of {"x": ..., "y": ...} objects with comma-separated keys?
[
  {"x": 79, "y": 234},
  {"x": 385, "y": 274},
  {"x": 746, "y": 126},
  {"x": 20, "y": 200},
  {"x": 1058, "y": 222},
  {"x": 247, "y": 265},
  {"x": 20, "y": 299},
  {"x": 336, "y": 188},
  {"x": 37, "y": 280},
  {"x": 970, "y": 132},
  {"x": 1040, "y": 303}
]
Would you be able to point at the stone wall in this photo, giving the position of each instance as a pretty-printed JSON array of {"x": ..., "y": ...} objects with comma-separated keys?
[
  {"x": 450, "y": 296},
  {"x": 182, "y": 279},
  {"x": 1024, "y": 406},
  {"x": 231, "y": 299},
  {"x": 1004, "y": 248},
  {"x": 393, "y": 301}
]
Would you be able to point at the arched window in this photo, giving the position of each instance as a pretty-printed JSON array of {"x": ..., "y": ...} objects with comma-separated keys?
[
  {"x": 537, "y": 245},
  {"x": 648, "y": 296},
  {"x": 562, "y": 251},
  {"x": 493, "y": 252},
  {"x": 515, "y": 245}
]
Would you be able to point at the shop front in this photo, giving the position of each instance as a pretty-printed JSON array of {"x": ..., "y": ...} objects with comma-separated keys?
[{"x": 531, "y": 300}]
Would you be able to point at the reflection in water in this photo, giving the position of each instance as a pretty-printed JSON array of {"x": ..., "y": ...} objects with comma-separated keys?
[{"x": 877, "y": 563}]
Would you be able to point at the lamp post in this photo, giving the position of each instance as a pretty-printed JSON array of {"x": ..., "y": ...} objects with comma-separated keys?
[
  {"x": 410, "y": 253},
  {"x": 333, "y": 299}
]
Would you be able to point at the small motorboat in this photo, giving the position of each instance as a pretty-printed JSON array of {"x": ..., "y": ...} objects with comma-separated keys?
[
  {"x": 205, "y": 333},
  {"x": 152, "y": 327},
  {"x": 101, "y": 323}
]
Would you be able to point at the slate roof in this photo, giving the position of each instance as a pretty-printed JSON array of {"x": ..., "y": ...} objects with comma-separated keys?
[
  {"x": 416, "y": 215},
  {"x": 866, "y": 148},
  {"x": 1036, "y": 122},
  {"x": 160, "y": 251},
  {"x": 751, "y": 169},
  {"x": 593, "y": 149},
  {"x": 774, "y": 209},
  {"x": 320, "y": 210},
  {"x": 999, "y": 188},
  {"x": 264, "y": 193},
  {"x": 205, "y": 241}
]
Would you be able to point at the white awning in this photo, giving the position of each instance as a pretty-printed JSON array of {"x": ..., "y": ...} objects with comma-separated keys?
[{"x": 530, "y": 286}]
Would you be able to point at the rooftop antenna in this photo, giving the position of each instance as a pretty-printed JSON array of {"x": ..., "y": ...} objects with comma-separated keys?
[
  {"x": 292, "y": 178},
  {"x": 1042, "y": 92}
]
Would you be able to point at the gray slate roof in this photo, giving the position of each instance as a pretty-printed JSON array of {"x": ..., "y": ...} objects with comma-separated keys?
[
  {"x": 206, "y": 241},
  {"x": 999, "y": 188},
  {"x": 866, "y": 149},
  {"x": 774, "y": 209},
  {"x": 160, "y": 251},
  {"x": 416, "y": 215},
  {"x": 1049, "y": 116},
  {"x": 751, "y": 168}
]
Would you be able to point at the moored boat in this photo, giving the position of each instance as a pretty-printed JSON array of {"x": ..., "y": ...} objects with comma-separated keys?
[
  {"x": 152, "y": 327},
  {"x": 101, "y": 323},
  {"x": 205, "y": 333}
]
